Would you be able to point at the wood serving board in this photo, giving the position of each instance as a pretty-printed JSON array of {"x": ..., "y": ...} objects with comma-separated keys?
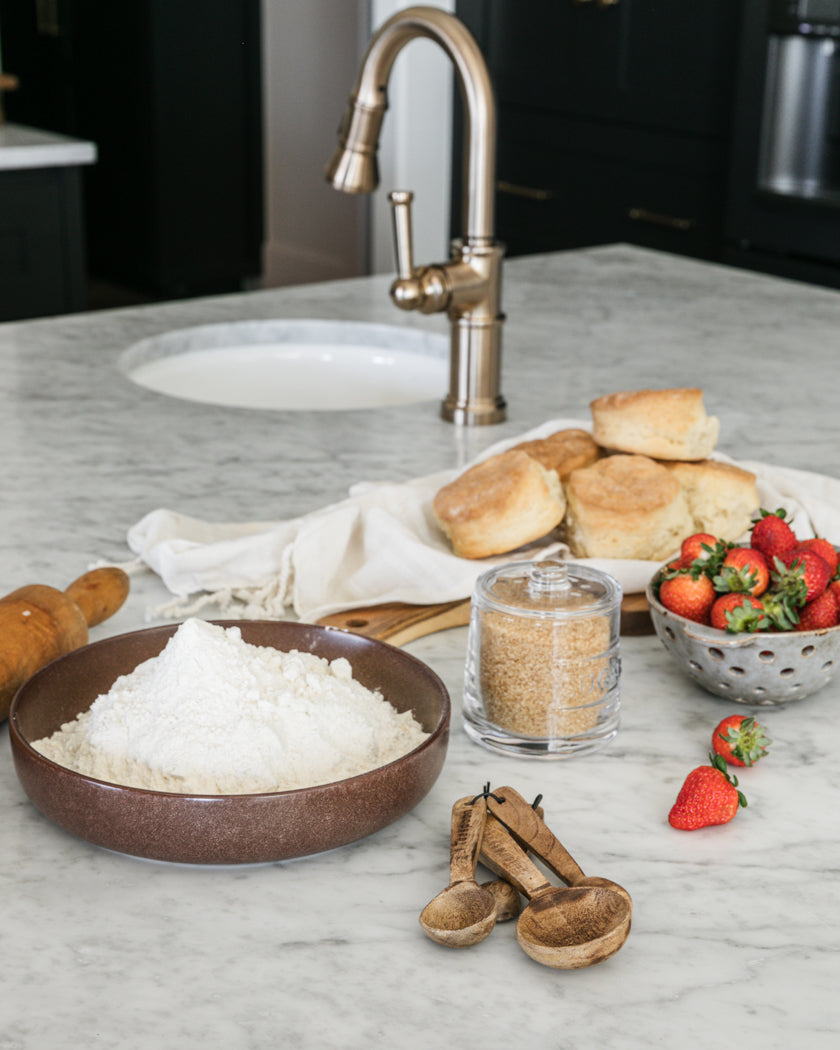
[{"x": 398, "y": 623}]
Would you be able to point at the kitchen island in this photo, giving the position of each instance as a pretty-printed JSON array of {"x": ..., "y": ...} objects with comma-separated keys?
[{"x": 736, "y": 929}]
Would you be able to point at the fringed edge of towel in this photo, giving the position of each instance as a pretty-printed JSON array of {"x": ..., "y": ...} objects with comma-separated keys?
[{"x": 270, "y": 600}]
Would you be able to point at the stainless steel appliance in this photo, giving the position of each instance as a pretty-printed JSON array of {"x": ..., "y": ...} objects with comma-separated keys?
[{"x": 784, "y": 196}]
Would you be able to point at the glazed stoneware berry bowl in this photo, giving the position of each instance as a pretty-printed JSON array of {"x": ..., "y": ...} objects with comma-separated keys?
[
  {"x": 765, "y": 668},
  {"x": 227, "y": 829}
]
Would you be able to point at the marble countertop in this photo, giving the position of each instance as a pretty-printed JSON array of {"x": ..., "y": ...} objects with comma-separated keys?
[
  {"x": 25, "y": 147},
  {"x": 736, "y": 929}
]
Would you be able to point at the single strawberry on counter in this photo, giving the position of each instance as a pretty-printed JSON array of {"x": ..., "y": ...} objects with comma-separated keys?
[
  {"x": 708, "y": 796},
  {"x": 737, "y": 612},
  {"x": 772, "y": 535},
  {"x": 740, "y": 740},
  {"x": 688, "y": 595}
]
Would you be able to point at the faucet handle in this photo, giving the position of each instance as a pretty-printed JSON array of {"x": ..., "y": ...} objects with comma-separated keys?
[{"x": 401, "y": 212}]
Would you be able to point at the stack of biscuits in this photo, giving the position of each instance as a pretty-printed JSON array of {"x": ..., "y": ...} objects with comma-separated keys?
[{"x": 633, "y": 488}]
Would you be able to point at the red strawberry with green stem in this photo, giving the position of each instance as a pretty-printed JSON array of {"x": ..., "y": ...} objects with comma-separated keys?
[
  {"x": 801, "y": 575},
  {"x": 825, "y": 550},
  {"x": 779, "y": 612},
  {"x": 819, "y": 614},
  {"x": 740, "y": 740},
  {"x": 737, "y": 612},
  {"x": 772, "y": 535},
  {"x": 688, "y": 595},
  {"x": 744, "y": 571},
  {"x": 708, "y": 796},
  {"x": 697, "y": 547}
]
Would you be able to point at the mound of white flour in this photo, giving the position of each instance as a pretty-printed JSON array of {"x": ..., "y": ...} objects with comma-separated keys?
[{"x": 214, "y": 715}]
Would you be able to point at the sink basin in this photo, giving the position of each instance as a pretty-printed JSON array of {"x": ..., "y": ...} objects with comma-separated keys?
[{"x": 293, "y": 365}]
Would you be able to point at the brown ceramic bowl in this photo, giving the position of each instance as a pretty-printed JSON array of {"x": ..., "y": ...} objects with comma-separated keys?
[{"x": 227, "y": 829}]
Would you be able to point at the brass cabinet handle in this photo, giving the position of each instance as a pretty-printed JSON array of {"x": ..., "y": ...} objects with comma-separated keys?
[
  {"x": 529, "y": 192},
  {"x": 656, "y": 219}
]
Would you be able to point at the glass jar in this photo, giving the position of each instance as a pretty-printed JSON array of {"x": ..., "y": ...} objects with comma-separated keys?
[{"x": 543, "y": 664}]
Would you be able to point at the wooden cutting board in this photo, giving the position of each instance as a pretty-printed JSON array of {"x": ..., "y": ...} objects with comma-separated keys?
[{"x": 398, "y": 623}]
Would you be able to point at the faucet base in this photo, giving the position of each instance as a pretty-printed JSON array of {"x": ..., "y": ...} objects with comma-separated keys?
[
  {"x": 476, "y": 413},
  {"x": 474, "y": 372}
]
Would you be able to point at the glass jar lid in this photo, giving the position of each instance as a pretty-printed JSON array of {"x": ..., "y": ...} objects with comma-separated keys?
[{"x": 550, "y": 589}]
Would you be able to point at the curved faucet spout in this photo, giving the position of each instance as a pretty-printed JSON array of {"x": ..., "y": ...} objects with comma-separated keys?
[
  {"x": 353, "y": 167},
  {"x": 468, "y": 287}
]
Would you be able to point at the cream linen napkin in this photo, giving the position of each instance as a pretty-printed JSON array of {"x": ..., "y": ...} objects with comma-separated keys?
[{"x": 382, "y": 544}]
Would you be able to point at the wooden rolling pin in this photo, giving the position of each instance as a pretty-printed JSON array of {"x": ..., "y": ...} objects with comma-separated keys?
[
  {"x": 398, "y": 623},
  {"x": 40, "y": 623}
]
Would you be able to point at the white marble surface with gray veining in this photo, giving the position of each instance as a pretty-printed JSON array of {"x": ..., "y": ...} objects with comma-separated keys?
[{"x": 736, "y": 931}]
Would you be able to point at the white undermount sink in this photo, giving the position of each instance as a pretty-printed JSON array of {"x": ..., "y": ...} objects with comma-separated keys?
[{"x": 299, "y": 365}]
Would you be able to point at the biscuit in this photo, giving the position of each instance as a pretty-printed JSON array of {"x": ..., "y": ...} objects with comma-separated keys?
[
  {"x": 625, "y": 506},
  {"x": 563, "y": 451},
  {"x": 722, "y": 498},
  {"x": 499, "y": 504},
  {"x": 663, "y": 424}
]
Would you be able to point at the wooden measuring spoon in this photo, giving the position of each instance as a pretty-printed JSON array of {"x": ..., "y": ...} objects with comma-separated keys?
[
  {"x": 508, "y": 901},
  {"x": 564, "y": 927},
  {"x": 464, "y": 913},
  {"x": 531, "y": 832}
]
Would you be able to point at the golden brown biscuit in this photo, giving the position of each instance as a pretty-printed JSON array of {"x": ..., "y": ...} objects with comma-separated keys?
[
  {"x": 499, "y": 504},
  {"x": 563, "y": 451},
  {"x": 722, "y": 498},
  {"x": 625, "y": 506},
  {"x": 663, "y": 424}
]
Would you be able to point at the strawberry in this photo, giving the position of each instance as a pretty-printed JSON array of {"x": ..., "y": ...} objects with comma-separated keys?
[
  {"x": 802, "y": 575},
  {"x": 744, "y": 571},
  {"x": 708, "y": 796},
  {"x": 820, "y": 613},
  {"x": 740, "y": 740},
  {"x": 772, "y": 535},
  {"x": 825, "y": 550},
  {"x": 737, "y": 612},
  {"x": 779, "y": 612},
  {"x": 834, "y": 588},
  {"x": 696, "y": 547},
  {"x": 688, "y": 595}
]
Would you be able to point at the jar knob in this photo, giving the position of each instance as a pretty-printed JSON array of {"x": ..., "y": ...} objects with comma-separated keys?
[{"x": 547, "y": 578}]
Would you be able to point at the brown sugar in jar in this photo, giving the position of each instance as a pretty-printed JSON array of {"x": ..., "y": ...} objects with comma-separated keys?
[{"x": 542, "y": 676}]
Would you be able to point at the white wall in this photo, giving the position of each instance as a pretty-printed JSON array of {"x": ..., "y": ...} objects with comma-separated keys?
[
  {"x": 311, "y": 53},
  {"x": 415, "y": 151},
  {"x": 310, "y": 56}
]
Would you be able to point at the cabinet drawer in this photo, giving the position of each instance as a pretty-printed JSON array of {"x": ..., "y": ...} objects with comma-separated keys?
[{"x": 565, "y": 184}]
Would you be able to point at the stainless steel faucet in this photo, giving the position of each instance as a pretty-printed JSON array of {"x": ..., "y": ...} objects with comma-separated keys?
[{"x": 468, "y": 287}]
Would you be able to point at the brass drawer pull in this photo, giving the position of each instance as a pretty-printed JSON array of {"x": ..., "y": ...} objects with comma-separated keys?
[
  {"x": 673, "y": 223},
  {"x": 529, "y": 192}
]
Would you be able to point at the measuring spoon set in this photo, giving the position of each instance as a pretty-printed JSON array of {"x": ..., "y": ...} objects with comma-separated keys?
[{"x": 566, "y": 927}]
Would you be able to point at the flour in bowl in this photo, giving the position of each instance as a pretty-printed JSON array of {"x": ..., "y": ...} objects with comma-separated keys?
[{"x": 213, "y": 714}]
